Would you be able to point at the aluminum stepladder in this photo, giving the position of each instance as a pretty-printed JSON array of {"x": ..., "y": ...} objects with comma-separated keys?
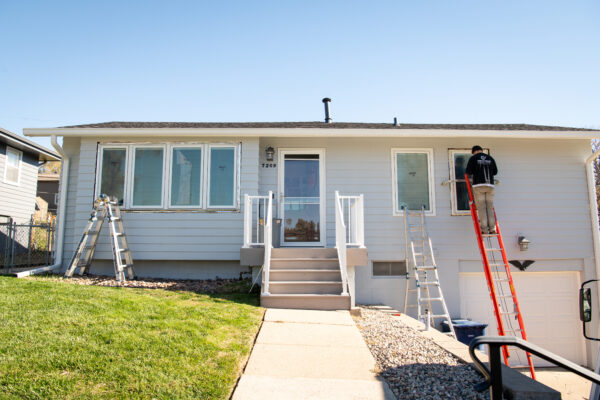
[
  {"x": 500, "y": 282},
  {"x": 104, "y": 207},
  {"x": 421, "y": 270}
]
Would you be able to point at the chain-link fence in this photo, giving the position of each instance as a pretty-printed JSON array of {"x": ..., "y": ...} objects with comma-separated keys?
[{"x": 25, "y": 245}]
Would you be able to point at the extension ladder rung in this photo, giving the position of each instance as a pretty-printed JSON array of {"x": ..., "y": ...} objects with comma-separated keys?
[
  {"x": 431, "y": 299},
  {"x": 434, "y": 283},
  {"x": 494, "y": 285},
  {"x": 122, "y": 250},
  {"x": 425, "y": 268},
  {"x": 411, "y": 305}
]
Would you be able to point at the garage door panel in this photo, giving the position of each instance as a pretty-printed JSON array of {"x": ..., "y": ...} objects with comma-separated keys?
[{"x": 549, "y": 303}]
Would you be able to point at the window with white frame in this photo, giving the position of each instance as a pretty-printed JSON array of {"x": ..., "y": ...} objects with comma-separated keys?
[
  {"x": 169, "y": 176},
  {"x": 412, "y": 172},
  {"x": 459, "y": 195},
  {"x": 12, "y": 166}
]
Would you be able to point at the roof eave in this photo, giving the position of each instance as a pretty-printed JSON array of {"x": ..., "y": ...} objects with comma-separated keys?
[
  {"x": 307, "y": 132},
  {"x": 23, "y": 144}
]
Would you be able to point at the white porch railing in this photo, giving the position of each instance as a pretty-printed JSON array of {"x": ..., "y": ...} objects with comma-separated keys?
[
  {"x": 341, "y": 231},
  {"x": 354, "y": 215},
  {"x": 258, "y": 211},
  {"x": 255, "y": 210}
]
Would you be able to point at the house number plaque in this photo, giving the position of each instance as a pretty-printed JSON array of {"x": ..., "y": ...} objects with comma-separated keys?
[{"x": 269, "y": 165}]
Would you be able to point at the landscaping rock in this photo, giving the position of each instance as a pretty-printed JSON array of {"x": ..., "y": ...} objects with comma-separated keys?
[
  {"x": 198, "y": 286},
  {"x": 414, "y": 366}
]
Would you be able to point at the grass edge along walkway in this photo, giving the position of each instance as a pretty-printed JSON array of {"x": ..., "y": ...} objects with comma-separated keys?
[{"x": 59, "y": 340}]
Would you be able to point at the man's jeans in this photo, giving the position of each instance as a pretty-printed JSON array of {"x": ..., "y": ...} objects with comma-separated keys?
[{"x": 484, "y": 201}]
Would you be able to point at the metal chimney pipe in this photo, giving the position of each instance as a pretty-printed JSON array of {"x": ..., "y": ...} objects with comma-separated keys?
[
  {"x": 326, "y": 101},
  {"x": 395, "y": 121}
]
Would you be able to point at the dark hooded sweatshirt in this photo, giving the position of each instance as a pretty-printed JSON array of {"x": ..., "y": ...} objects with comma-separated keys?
[{"x": 482, "y": 168}]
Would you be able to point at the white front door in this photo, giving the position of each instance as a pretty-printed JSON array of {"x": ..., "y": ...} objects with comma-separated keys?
[{"x": 302, "y": 197}]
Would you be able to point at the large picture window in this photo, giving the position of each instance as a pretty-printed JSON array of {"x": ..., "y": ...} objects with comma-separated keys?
[
  {"x": 173, "y": 176},
  {"x": 12, "y": 166},
  {"x": 413, "y": 180}
]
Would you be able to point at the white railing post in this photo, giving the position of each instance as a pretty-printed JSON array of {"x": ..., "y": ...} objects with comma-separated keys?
[
  {"x": 268, "y": 238},
  {"x": 361, "y": 221},
  {"x": 340, "y": 241},
  {"x": 247, "y": 220}
]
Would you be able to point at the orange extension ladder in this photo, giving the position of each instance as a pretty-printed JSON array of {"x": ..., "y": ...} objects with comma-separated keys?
[{"x": 500, "y": 282}]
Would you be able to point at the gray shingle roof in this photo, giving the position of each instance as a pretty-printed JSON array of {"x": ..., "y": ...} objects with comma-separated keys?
[{"x": 322, "y": 125}]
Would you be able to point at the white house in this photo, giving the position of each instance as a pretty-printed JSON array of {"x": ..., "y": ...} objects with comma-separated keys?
[{"x": 183, "y": 190}]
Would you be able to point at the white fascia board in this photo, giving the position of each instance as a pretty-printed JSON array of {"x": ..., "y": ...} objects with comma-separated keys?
[{"x": 306, "y": 132}]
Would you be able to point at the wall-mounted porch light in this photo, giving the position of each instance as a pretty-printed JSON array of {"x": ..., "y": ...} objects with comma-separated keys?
[
  {"x": 523, "y": 243},
  {"x": 270, "y": 153}
]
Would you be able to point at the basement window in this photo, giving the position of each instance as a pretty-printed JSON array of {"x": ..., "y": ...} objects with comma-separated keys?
[{"x": 389, "y": 268}]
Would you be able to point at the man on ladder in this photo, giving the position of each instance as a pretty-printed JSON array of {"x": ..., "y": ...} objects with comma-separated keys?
[{"x": 482, "y": 168}]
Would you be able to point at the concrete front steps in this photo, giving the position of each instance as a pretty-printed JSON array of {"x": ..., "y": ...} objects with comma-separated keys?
[{"x": 305, "y": 278}]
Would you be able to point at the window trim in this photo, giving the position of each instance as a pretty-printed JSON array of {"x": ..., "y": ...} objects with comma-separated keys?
[
  {"x": 203, "y": 167},
  {"x": 19, "y": 154},
  {"x": 99, "y": 162},
  {"x": 402, "y": 276},
  {"x": 234, "y": 205},
  {"x": 429, "y": 152},
  {"x": 453, "y": 192}
]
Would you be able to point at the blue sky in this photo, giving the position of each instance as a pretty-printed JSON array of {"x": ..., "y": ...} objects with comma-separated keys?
[{"x": 78, "y": 62}]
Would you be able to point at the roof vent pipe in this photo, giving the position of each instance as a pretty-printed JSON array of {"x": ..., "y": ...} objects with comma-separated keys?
[
  {"x": 395, "y": 121},
  {"x": 326, "y": 101}
]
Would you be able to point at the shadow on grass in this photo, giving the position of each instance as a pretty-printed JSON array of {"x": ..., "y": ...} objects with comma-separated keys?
[{"x": 433, "y": 381}]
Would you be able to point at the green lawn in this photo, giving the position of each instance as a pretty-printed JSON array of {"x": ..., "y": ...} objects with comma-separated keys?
[{"x": 66, "y": 341}]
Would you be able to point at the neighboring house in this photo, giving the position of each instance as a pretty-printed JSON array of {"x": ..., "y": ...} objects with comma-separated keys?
[
  {"x": 182, "y": 187},
  {"x": 47, "y": 189},
  {"x": 19, "y": 162}
]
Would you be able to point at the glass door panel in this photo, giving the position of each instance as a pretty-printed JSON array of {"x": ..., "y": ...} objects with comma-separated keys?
[{"x": 301, "y": 199}]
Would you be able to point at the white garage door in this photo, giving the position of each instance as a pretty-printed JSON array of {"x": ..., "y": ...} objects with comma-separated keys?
[{"x": 549, "y": 303}]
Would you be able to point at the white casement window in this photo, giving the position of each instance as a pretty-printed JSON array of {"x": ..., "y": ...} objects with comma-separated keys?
[
  {"x": 169, "y": 176},
  {"x": 221, "y": 176},
  {"x": 112, "y": 171},
  {"x": 459, "y": 195},
  {"x": 186, "y": 176},
  {"x": 147, "y": 178},
  {"x": 12, "y": 166},
  {"x": 412, "y": 180}
]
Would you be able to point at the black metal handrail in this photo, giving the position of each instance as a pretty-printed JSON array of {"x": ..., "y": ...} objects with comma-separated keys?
[{"x": 494, "y": 374}]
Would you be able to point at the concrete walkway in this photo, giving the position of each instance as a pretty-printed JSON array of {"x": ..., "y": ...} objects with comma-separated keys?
[{"x": 305, "y": 354}]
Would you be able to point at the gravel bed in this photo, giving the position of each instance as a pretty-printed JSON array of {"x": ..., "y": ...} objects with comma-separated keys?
[
  {"x": 199, "y": 286},
  {"x": 414, "y": 366}
]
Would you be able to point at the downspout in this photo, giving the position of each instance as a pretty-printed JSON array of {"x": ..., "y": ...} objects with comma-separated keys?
[{"x": 61, "y": 216}]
